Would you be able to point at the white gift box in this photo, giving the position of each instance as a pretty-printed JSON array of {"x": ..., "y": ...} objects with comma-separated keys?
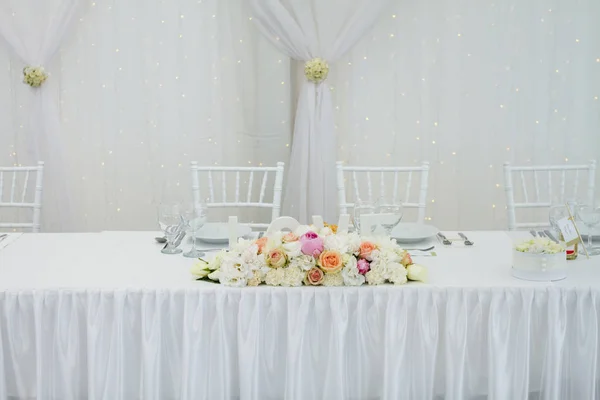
[{"x": 539, "y": 267}]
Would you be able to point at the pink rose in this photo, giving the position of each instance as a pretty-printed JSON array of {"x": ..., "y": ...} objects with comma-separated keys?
[
  {"x": 289, "y": 238},
  {"x": 406, "y": 260},
  {"x": 363, "y": 266},
  {"x": 314, "y": 277},
  {"x": 312, "y": 244}
]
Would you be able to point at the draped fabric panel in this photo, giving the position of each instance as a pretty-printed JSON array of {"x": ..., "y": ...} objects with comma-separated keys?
[
  {"x": 304, "y": 30},
  {"x": 274, "y": 343}
]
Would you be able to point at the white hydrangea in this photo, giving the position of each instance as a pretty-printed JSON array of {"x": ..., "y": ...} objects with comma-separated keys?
[
  {"x": 293, "y": 276},
  {"x": 540, "y": 246},
  {"x": 350, "y": 273},
  {"x": 303, "y": 262},
  {"x": 333, "y": 280},
  {"x": 374, "y": 277},
  {"x": 275, "y": 277}
]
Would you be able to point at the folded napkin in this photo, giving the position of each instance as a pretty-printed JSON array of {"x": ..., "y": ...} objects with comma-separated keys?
[{"x": 9, "y": 239}]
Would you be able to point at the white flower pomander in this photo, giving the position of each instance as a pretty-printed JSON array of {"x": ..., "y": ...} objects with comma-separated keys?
[
  {"x": 303, "y": 262},
  {"x": 316, "y": 70},
  {"x": 34, "y": 76},
  {"x": 333, "y": 280},
  {"x": 351, "y": 275}
]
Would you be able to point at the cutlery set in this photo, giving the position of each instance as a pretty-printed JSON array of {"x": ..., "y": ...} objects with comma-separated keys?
[
  {"x": 448, "y": 242},
  {"x": 543, "y": 234}
]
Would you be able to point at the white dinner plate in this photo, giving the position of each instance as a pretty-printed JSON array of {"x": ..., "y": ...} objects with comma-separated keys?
[
  {"x": 408, "y": 232},
  {"x": 584, "y": 231},
  {"x": 218, "y": 232}
]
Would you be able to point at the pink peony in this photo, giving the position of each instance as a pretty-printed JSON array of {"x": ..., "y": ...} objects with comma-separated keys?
[
  {"x": 363, "y": 266},
  {"x": 312, "y": 244}
]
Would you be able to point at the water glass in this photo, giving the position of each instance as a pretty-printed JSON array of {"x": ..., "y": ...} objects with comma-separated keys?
[
  {"x": 364, "y": 217},
  {"x": 590, "y": 216},
  {"x": 196, "y": 215},
  {"x": 390, "y": 212},
  {"x": 170, "y": 221}
]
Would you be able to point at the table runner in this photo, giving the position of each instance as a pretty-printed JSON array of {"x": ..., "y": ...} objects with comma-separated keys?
[{"x": 106, "y": 316}]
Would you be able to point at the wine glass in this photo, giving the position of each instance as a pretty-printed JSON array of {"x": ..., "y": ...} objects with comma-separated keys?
[
  {"x": 389, "y": 210},
  {"x": 170, "y": 221},
  {"x": 196, "y": 218},
  {"x": 364, "y": 212},
  {"x": 590, "y": 216}
]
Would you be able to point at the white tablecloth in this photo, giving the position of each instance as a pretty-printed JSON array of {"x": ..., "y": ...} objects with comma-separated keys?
[{"x": 106, "y": 316}]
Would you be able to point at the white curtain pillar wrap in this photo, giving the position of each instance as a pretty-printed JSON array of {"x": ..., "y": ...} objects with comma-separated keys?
[
  {"x": 305, "y": 30},
  {"x": 34, "y": 30}
]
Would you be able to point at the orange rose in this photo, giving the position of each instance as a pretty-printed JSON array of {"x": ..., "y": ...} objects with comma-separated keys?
[
  {"x": 366, "y": 248},
  {"x": 314, "y": 277},
  {"x": 330, "y": 261},
  {"x": 289, "y": 238},
  {"x": 406, "y": 259},
  {"x": 262, "y": 242}
]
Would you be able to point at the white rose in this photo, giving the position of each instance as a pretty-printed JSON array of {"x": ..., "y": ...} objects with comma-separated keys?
[
  {"x": 293, "y": 249},
  {"x": 417, "y": 272},
  {"x": 336, "y": 242}
]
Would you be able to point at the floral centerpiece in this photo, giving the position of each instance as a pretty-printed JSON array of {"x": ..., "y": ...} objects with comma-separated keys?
[
  {"x": 309, "y": 256},
  {"x": 540, "y": 246}
]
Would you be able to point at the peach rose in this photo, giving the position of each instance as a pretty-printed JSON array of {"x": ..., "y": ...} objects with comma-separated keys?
[
  {"x": 366, "y": 248},
  {"x": 314, "y": 277},
  {"x": 289, "y": 238},
  {"x": 330, "y": 261},
  {"x": 262, "y": 242},
  {"x": 406, "y": 259},
  {"x": 276, "y": 258}
]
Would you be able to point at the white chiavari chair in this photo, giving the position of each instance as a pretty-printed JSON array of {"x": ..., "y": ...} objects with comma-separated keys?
[
  {"x": 14, "y": 193},
  {"x": 220, "y": 195},
  {"x": 386, "y": 176},
  {"x": 542, "y": 186}
]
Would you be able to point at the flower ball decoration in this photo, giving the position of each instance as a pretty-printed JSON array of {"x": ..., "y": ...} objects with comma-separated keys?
[
  {"x": 316, "y": 70},
  {"x": 34, "y": 76}
]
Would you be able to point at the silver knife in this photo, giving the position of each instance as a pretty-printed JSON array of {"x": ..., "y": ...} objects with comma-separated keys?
[
  {"x": 3, "y": 236},
  {"x": 551, "y": 236}
]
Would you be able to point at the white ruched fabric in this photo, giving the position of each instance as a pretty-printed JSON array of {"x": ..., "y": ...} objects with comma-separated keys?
[
  {"x": 106, "y": 316},
  {"x": 305, "y": 30}
]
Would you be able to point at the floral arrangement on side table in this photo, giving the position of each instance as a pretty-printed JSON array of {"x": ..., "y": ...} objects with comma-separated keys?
[
  {"x": 539, "y": 246},
  {"x": 308, "y": 257}
]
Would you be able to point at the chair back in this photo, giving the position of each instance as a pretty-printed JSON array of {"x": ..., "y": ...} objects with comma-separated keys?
[
  {"x": 381, "y": 181},
  {"x": 21, "y": 188},
  {"x": 538, "y": 187},
  {"x": 219, "y": 191}
]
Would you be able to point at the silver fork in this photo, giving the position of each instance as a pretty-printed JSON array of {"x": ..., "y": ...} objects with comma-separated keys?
[
  {"x": 467, "y": 241},
  {"x": 541, "y": 234},
  {"x": 427, "y": 249},
  {"x": 444, "y": 239}
]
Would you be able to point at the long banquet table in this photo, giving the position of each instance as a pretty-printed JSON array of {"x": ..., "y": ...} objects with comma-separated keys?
[{"x": 107, "y": 316}]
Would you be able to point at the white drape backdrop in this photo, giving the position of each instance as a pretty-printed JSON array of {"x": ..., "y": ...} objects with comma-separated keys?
[
  {"x": 304, "y": 30},
  {"x": 138, "y": 100},
  {"x": 34, "y": 31}
]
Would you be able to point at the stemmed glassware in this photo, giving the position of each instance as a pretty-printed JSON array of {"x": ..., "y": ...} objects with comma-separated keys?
[
  {"x": 590, "y": 216},
  {"x": 390, "y": 212},
  {"x": 171, "y": 222},
  {"x": 364, "y": 212},
  {"x": 195, "y": 216}
]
